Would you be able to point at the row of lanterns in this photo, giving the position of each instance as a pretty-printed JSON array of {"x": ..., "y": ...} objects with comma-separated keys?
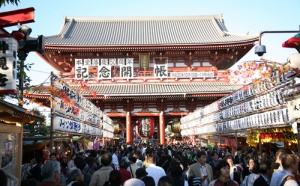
[{"x": 241, "y": 116}]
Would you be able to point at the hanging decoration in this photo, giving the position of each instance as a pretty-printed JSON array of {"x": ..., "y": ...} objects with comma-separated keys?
[
  {"x": 145, "y": 127},
  {"x": 258, "y": 71}
]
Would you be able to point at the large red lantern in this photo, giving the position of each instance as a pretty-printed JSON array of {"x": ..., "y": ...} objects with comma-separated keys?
[{"x": 145, "y": 127}]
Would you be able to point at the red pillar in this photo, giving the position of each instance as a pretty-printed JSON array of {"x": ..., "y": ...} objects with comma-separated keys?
[
  {"x": 162, "y": 128},
  {"x": 129, "y": 137}
]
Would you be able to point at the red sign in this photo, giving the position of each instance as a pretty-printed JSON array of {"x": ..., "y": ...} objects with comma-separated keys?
[{"x": 145, "y": 127}]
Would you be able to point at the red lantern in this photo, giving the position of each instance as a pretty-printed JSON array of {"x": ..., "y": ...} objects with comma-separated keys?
[{"x": 145, "y": 127}]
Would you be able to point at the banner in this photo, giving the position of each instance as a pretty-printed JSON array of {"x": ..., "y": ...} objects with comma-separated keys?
[
  {"x": 8, "y": 65},
  {"x": 67, "y": 125},
  {"x": 161, "y": 71}
]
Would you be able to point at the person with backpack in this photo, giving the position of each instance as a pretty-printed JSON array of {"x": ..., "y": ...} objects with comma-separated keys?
[{"x": 290, "y": 166}]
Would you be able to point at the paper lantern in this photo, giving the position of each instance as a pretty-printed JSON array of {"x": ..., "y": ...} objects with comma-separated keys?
[
  {"x": 294, "y": 60},
  {"x": 145, "y": 127}
]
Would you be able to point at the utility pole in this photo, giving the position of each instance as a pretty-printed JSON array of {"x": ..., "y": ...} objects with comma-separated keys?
[
  {"x": 52, "y": 115},
  {"x": 22, "y": 57}
]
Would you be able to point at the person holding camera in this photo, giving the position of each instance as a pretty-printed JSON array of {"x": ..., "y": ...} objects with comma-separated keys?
[{"x": 201, "y": 169}]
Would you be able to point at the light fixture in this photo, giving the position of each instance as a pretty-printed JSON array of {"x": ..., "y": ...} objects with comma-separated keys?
[
  {"x": 261, "y": 49},
  {"x": 294, "y": 60}
]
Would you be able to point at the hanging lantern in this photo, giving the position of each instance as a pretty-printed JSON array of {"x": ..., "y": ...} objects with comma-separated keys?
[
  {"x": 117, "y": 130},
  {"x": 176, "y": 125},
  {"x": 294, "y": 60},
  {"x": 145, "y": 127}
]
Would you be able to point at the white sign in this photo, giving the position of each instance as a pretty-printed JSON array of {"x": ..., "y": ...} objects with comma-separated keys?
[
  {"x": 8, "y": 65},
  {"x": 161, "y": 71},
  {"x": 192, "y": 74},
  {"x": 104, "y": 72},
  {"x": 63, "y": 124},
  {"x": 102, "y": 68},
  {"x": 294, "y": 108},
  {"x": 126, "y": 71}
]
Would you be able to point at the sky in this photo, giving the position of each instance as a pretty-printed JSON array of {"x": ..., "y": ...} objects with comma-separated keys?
[{"x": 240, "y": 17}]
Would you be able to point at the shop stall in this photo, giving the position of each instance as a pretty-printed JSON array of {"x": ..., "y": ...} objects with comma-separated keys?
[
  {"x": 256, "y": 106},
  {"x": 12, "y": 118}
]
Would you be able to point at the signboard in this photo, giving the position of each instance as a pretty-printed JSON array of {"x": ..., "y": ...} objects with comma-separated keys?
[
  {"x": 102, "y": 68},
  {"x": 294, "y": 108},
  {"x": 144, "y": 60},
  {"x": 192, "y": 74},
  {"x": 8, "y": 65},
  {"x": 161, "y": 71},
  {"x": 67, "y": 125}
]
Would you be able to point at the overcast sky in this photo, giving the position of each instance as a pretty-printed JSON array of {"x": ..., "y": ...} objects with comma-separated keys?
[{"x": 240, "y": 17}]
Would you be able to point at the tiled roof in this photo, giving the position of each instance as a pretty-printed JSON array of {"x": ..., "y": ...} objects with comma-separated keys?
[
  {"x": 161, "y": 88},
  {"x": 145, "y": 31},
  {"x": 19, "y": 111}
]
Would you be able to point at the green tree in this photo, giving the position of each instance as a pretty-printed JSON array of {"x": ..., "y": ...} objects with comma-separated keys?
[
  {"x": 38, "y": 127},
  {"x": 4, "y": 2}
]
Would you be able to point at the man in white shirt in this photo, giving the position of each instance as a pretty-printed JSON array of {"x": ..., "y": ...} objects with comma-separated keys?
[
  {"x": 153, "y": 171},
  {"x": 115, "y": 159}
]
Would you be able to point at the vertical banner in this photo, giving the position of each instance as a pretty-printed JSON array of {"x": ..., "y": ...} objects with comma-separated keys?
[
  {"x": 144, "y": 59},
  {"x": 81, "y": 70},
  {"x": 120, "y": 61},
  {"x": 161, "y": 71},
  {"x": 126, "y": 71},
  {"x": 104, "y": 72},
  {"x": 8, "y": 66}
]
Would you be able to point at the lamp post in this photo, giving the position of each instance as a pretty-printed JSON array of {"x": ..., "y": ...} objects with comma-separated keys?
[
  {"x": 294, "y": 61},
  {"x": 261, "y": 49},
  {"x": 26, "y": 44}
]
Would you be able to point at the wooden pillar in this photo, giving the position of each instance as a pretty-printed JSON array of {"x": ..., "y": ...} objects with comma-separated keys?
[
  {"x": 161, "y": 128},
  {"x": 20, "y": 153},
  {"x": 129, "y": 137}
]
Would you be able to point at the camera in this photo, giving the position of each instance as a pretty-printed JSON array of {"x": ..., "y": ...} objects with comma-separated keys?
[{"x": 260, "y": 50}]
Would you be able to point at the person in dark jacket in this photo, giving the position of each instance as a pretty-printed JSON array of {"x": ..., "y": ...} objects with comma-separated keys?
[
  {"x": 35, "y": 172},
  {"x": 214, "y": 163},
  {"x": 266, "y": 171},
  {"x": 80, "y": 163}
]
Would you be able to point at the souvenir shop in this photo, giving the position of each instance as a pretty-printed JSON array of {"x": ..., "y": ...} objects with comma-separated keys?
[
  {"x": 77, "y": 117},
  {"x": 253, "y": 107}
]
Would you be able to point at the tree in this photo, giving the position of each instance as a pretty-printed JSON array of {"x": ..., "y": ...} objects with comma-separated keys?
[
  {"x": 4, "y": 2},
  {"x": 38, "y": 127}
]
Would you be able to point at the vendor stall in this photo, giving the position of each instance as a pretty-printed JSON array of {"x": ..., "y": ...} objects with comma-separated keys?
[{"x": 12, "y": 118}]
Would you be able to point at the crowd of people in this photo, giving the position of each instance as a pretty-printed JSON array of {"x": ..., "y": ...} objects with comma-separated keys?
[{"x": 158, "y": 165}]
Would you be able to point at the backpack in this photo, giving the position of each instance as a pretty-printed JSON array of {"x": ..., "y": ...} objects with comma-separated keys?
[{"x": 287, "y": 178}]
